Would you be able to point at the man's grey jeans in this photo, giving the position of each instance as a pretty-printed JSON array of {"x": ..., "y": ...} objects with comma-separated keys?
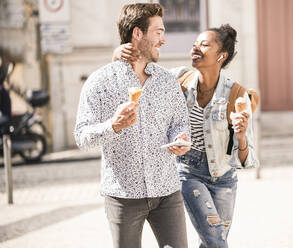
[{"x": 165, "y": 215}]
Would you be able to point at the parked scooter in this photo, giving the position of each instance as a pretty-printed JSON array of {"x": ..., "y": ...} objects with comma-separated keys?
[{"x": 27, "y": 130}]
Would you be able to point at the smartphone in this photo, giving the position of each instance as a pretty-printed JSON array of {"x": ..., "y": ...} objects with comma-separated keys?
[{"x": 178, "y": 142}]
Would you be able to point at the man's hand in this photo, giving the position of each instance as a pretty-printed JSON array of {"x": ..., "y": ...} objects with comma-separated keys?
[
  {"x": 126, "y": 52},
  {"x": 125, "y": 116},
  {"x": 180, "y": 150}
]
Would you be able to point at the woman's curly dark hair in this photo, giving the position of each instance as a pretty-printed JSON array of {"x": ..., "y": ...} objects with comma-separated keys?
[{"x": 226, "y": 37}]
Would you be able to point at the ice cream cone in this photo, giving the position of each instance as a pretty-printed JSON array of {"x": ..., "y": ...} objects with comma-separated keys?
[
  {"x": 240, "y": 105},
  {"x": 134, "y": 94}
]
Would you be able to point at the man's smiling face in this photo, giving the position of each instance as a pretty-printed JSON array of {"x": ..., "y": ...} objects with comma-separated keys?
[{"x": 151, "y": 42}]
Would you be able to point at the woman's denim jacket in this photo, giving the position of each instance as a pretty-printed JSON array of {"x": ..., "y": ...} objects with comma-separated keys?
[{"x": 215, "y": 127}]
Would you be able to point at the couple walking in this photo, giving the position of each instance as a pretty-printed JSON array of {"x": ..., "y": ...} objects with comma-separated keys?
[{"x": 140, "y": 180}]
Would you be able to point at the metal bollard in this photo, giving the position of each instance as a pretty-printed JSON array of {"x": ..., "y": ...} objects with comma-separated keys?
[{"x": 8, "y": 167}]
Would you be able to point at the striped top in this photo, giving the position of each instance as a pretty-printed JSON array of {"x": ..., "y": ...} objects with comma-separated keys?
[{"x": 196, "y": 122}]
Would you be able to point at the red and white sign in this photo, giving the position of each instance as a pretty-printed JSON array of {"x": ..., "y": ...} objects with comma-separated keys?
[
  {"x": 52, "y": 11},
  {"x": 53, "y": 5}
]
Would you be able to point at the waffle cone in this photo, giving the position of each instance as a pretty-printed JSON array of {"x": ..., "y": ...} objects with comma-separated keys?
[{"x": 134, "y": 94}]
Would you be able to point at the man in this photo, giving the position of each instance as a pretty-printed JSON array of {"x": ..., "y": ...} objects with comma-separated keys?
[{"x": 139, "y": 178}]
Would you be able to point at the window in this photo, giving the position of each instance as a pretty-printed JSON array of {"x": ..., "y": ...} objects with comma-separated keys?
[
  {"x": 181, "y": 15},
  {"x": 183, "y": 20}
]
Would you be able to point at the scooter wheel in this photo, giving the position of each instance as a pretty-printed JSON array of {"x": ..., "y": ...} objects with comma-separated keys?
[{"x": 35, "y": 154}]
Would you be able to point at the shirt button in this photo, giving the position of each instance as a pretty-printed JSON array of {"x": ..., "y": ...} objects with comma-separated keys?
[
  {"x": 215, "y": 174},
  {"x": 208, "y": 131},
  {"x": 212, "y": 161},
  {"x": 206, "y": 116},
  {"x": 210, "y": 146}
]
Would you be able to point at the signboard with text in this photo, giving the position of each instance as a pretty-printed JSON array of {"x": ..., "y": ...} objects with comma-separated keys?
[
  {"x": 55, "y": 26},
  {"x": 56, "y": 38}
]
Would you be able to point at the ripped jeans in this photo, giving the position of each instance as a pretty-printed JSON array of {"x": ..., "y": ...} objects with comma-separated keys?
[{"x": 209, "y": 201}]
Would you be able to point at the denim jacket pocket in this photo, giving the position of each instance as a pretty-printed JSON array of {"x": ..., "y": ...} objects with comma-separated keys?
[{"x": 220, "y": 119}]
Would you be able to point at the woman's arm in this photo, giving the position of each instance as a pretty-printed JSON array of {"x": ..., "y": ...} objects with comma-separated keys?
[
  {"x": 242, "y": 143},
  {"x": 126, "y": 52},
  {"x": 244, "y": 150}
]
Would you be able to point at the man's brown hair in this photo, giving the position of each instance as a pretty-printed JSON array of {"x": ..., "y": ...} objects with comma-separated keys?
[{"x": 136, "y": 15}]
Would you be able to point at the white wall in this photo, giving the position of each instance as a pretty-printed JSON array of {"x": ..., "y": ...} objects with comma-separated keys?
[
  {"x": 21, "y": 42},
  {"x": 93, "y": 22},
  {"x": 241, "y": 15},
  {"x": 18, "y": 36}
]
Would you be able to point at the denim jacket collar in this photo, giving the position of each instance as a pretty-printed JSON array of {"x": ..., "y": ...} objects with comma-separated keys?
[{"x": 219, "y": 96}]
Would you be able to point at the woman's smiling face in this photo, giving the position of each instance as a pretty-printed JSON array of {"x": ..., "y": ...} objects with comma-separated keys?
[{"x": 205, "y": 51}]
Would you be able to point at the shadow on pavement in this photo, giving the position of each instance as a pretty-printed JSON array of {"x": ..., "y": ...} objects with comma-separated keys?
[
  {"x": 51, "y": 161},
  {"x": 22, "y": 227}
]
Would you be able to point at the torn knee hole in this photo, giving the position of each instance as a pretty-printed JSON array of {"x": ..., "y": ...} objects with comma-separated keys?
[
  {"x": 196, "y": 192},
  {"x": 213, "y": 220}
]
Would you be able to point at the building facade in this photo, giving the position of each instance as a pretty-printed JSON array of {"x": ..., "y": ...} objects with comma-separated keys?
[{"x": 93, "y": 36}]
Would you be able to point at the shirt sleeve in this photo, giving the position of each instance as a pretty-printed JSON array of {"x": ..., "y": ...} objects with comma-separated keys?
[
  {"x": 251, "y": 160},
  {"x": 90, "y": 131},
  {"x": 179, "y": 71},
  {"x": 180, "y": 120}
]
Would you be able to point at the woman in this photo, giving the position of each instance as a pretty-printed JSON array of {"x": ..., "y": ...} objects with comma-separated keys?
[{"x": 207, "y": 173}]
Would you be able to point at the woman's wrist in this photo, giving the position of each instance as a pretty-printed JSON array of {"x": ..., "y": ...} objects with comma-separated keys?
[
  {"x": 243, "y": 149},
  {"x": 242, "y": 145}
]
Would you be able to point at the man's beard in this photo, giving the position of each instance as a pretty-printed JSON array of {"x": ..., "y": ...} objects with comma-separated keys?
[{"x": 145, "y": 47}]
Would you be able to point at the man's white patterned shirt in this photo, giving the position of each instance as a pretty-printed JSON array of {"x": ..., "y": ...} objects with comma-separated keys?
[{"x": 133, "y": 164}]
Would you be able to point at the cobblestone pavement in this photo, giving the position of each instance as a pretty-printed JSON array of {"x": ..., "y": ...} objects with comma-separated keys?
[{"x": 57, "y": 205}]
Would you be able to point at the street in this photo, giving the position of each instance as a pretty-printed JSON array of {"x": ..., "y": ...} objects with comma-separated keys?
[{"x": 58, "y": 205}]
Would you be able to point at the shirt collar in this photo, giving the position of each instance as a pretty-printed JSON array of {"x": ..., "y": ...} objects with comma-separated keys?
[
  {"x": 149, "y": 69},
  {"x": 193, "y": 84},
  {"x": 126, "y": 64},
  {"x": 219, "y": 96},
  {"x": 220, "y": 85}
]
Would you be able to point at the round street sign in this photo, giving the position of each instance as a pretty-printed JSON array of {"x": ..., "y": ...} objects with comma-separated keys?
[
  {"x": 53, "y": 5},
  {"x": 52, "y": 11}
]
